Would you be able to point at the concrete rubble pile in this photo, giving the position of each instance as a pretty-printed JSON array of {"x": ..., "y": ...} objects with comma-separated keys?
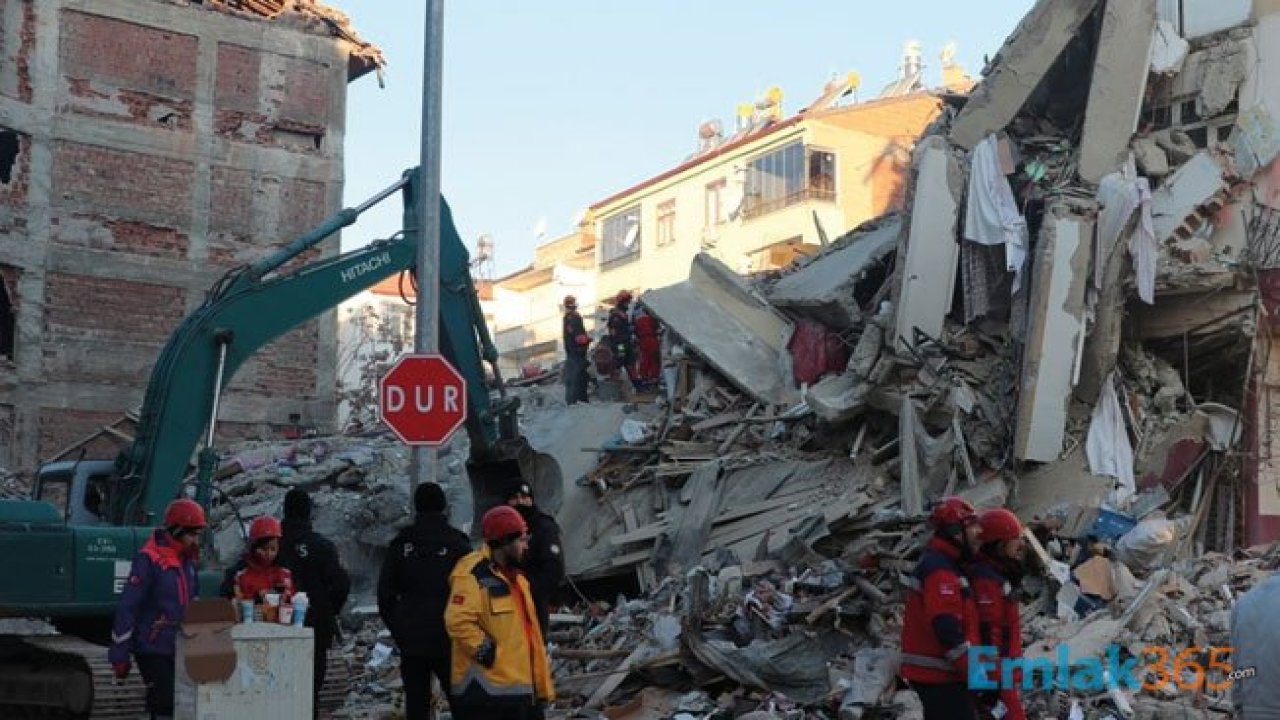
[{"x": 1061, "y": 320}]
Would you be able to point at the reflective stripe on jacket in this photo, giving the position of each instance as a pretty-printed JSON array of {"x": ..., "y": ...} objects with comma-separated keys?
[
  {"x": 486, "y": 603},
  {"x": 162, "y": 581},
  {"x": 940, "y": 622}
]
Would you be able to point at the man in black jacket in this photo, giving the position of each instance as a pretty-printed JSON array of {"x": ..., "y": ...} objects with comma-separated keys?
[
  {"x": 413, "y": 592},
  {"x": 317, "y": 571},
  {"x": 544, "y": 563}
]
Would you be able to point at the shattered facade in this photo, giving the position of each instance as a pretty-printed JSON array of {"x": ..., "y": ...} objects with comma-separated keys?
[{"x": 146, "y": 148}]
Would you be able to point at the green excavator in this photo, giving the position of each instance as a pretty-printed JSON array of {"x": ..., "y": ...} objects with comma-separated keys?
[{"x": 67, "y": 551}]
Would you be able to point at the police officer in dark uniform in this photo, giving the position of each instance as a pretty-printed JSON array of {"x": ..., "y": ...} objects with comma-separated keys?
[
  {"x": 413, "y": 592},
  {"x": 317, "y": 570},
  {"x": 544, "y": 563}
]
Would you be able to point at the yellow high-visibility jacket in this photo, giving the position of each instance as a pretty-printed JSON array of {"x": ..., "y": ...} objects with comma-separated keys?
[{"x": 484, "y": 604}]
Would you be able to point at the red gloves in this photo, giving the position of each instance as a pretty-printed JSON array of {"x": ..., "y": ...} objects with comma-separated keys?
[
  {"x": 122, "y": 669},
  {"x": 583, "y": 340}
]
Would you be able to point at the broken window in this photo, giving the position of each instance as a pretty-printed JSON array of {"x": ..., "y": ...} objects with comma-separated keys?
[
  {"x": 620, "y": 236},
  {"x": 789, "y": 175},
  {"x": 666, "y": 223},
  {"x": 8, "y": 154}
]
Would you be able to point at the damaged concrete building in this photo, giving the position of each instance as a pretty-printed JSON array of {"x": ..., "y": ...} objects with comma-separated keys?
[{"x": 146, "y": 148}]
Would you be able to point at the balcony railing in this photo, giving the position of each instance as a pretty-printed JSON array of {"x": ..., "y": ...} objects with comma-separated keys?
[{"x": 754, "y": 208}]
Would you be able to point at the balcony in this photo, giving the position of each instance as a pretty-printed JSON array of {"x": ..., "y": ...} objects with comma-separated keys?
[{"x": 756, "y": 207}]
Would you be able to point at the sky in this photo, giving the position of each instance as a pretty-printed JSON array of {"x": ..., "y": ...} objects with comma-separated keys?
[{"x": 550, "y": 106}]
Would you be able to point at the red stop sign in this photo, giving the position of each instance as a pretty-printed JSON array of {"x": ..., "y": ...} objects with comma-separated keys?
[{"x": 423, "y": 399}]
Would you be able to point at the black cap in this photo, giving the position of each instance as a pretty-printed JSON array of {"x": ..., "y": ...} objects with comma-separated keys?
[
  {"x": 297, "y": 505},
  {"x": 429, "y": 498},
  {"x": 517, "y": 486}
]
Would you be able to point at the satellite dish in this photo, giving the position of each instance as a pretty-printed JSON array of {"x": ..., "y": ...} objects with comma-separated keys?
[
  {"x": 633, "y": 232},
  {"x": 540, "y": 228}
]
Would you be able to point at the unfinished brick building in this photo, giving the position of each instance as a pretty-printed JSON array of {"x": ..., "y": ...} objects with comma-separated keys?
[{"x": 146, "y": 147}]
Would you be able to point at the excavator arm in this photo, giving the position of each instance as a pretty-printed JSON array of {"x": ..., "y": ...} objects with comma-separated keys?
[{"x": 254, "y": 305}]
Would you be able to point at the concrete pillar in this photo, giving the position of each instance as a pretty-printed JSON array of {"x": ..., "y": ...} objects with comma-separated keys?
[
  {"x": 929, "y": 272},
  {"x": 1059, "y": 277},
  {"x": 1120, "y": 69}
]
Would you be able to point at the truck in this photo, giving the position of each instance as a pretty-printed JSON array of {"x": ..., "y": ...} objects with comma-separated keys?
[{"x": 68, "y": 549}]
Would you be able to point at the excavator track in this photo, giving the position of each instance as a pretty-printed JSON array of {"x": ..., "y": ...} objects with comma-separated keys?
[{"x": 61, "y": 677}]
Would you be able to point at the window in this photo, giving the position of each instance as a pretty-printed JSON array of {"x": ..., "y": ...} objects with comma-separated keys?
[
  {"x": 666, "y": 223},
  {"x": 786, "y": 176},
  {"x": 714, "y": 203},
  {"x": 620, "y": 236},
  {"x": 8, "y": 312}
]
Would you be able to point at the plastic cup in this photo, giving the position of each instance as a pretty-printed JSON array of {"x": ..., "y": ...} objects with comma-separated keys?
[
  {"x": 246, "y": 611},
  {"x": 286, "y": 614},
  {"x": 300, "y": 603}
]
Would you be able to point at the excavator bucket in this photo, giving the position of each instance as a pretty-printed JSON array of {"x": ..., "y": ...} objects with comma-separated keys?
[{"x": 491, "y": 476}]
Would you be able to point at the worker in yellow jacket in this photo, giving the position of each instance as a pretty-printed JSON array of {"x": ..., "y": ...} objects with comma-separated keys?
[{"x": 499, "y": 668}]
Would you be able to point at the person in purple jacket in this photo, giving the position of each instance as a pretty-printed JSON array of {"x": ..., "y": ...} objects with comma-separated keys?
[{"x": 161, "y": 583}]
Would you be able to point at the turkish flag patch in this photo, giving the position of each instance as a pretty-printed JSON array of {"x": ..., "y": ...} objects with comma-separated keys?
[{"x": 458, "y": 600}]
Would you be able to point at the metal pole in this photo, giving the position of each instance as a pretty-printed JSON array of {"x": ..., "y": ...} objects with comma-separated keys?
[{"x": 423, "y": 462}]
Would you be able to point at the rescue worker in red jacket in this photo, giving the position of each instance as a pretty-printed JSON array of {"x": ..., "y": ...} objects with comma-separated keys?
[
  {"x": 649, "y": 349},
  {"x": 257, "y": 573},
  {"x": 940, "y": 623},
  {"x": 994, "y": 574},
  {"x": 162, "y": 581},
  {"x": 576, "y": 342}
]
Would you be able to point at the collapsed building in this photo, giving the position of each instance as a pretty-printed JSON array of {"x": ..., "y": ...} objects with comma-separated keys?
[{"x": 1071, "y": 317}]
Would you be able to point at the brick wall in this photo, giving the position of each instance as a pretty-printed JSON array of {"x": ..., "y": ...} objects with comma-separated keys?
[
  {"x": 123, "y": 236},
  {"x": 108, "y": 310},
  {"x": 60, "y": 427},
  {"x": 128, "y": 184},
  {"x": 285, "y": 368},
  {"x": 134, "y": 57},
  {"x": 281, "y": 101}
]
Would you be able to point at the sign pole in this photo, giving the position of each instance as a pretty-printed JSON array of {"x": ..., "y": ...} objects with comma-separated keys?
[{"x": 423, "y": 460}]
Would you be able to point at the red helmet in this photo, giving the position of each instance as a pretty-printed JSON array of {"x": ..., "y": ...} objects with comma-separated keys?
[
  {"x": 999, "y": 524},
  {"x": 952, "y": 511},
  {"x": 265, "y": 527},
  {"x": 502, "y": 522},
  {"x": 184, "y": 513},
  {"x": 570, "y": 301},
  {"x": 624, "y": 296}
]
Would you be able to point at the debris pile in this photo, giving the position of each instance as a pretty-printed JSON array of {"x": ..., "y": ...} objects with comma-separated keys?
[{"x": 1066, "y": 319}]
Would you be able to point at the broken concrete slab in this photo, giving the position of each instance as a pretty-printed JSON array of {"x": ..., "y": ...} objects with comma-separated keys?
[
  {"x": 1185, "y": 196},
  {"x": 571, "y": 436},
  {"x": 824, "y": 288},
  {"x": 732, "y": 329},
  {"x": 1117, "y": 87},
  {"x": 1222, "y": 68},
  {"x": 1055, "y": 335},
  {"x": 1152, "y": 159},
  {"x": 838, "y": 398},
  {"x": 929, "y": 271},
  {"x": 1019, "y": 67}
]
